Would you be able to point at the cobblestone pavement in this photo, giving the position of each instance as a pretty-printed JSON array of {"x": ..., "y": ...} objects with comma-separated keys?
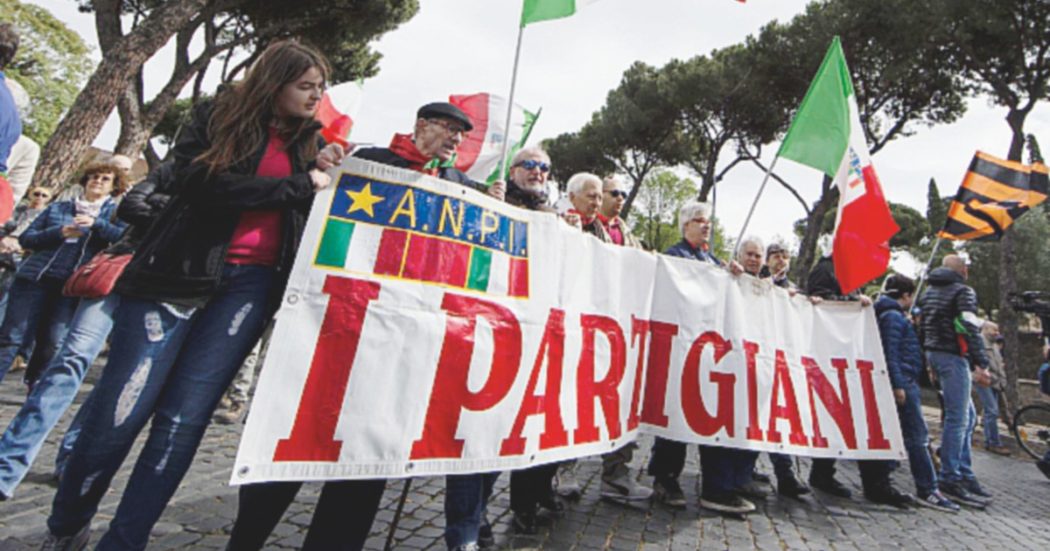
[{"x": 203, "y": 510}]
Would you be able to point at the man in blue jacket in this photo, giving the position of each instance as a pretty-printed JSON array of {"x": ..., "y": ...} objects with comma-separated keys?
[
  {"x": 900, "y": 344},
  {"x": 10, "y": 122}
]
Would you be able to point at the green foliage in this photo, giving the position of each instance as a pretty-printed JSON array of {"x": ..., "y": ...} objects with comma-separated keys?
[
  {"x": 52, "y": 64},
  {"x": 177, "y": 115},
  {"x": 654, "y": 218},
  {"x": 913, "y": 226},
  {"x": 936, "y": 207}
]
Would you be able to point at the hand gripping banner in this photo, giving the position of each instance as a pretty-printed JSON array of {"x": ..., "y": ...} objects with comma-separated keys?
[{"x": 429, "y": 329}]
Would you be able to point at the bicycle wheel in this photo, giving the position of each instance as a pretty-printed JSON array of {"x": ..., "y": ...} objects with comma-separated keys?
[{"x": 1031, "y": 428}]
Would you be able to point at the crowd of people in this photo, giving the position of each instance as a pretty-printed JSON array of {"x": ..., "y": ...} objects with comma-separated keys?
[{"x": 208, "y": 240}]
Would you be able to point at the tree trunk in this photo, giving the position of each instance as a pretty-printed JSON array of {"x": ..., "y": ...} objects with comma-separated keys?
[
  {"x": 1007, "y": 318},
  {"x": 807, "y": 255},
  {"x": 78, "y": 128}
]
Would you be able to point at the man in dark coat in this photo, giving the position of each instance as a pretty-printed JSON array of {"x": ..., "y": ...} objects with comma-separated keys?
[{"x": 955, "y": 352}]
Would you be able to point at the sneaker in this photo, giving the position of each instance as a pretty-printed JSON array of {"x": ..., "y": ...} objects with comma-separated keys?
[
  {"x": 669, "y": 492},
  {"x": 76, "y": 542},
  {"x": 791, "y": 487},
  {"x": 525, "y": 522},
  {"x": 889, "y": 495},
  {"x": 956, "y": 491},
  {"x": 1044, "y": 467},
  {"x": 727, "y": 503},
  {"x": 975, "y": 488},
  {"x": 753, "y": 490},
  {"x": 19, "y": 364},
  {"x": 552, "y": 503},
  {"x": 624, "y": 488},
  {"x": 830, "y": 485},
  {"x": 565, "y": 482},
  {"x": 486, "y": 540},
  {"x": 230, "y": 415},
  {"x": 936, "y": 500},
  {"x": 999, "y": 450}
]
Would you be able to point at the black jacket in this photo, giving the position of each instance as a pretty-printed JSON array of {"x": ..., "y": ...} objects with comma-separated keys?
[
  {"x": 182, "y": 255},
  {"x": 944, "y": 302},
  {"x": 822, "y": 282},
  {"x": 385, "y": 156},
  {"x": 142, "y": 204}
]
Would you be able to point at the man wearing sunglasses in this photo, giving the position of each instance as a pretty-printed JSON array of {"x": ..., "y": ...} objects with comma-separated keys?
[
  {"x": 614, "y": 195},
  {"x": 527, "y": 185}
]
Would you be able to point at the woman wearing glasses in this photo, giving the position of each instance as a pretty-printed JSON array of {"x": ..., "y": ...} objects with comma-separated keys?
[
  {"x": 64, "y": 236},
  {"x": 10, "y": 251}
]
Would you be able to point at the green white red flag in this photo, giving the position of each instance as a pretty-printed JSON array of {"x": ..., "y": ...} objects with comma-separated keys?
[
  {"x": 827, "y": 135},
  {"x": 337, "y": 111},
  {"x": 478, "y": 155}
]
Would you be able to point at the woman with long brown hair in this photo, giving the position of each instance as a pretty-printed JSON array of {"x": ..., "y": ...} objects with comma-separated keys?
[{"x": 198, "y": 292}]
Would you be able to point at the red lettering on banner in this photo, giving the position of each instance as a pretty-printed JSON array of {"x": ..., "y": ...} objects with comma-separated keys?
[
  {"x": 661, "y": 337},
  {"x": 450, "y": 395},
  {"x": 552, "y": 348},
  {"x": 605, "y": 390},
  {"x": 639, "y": 335},
  {"x": 839, "y": 408},
  {"x": 313, "y": 433},
  {"x": 696, "y": 414},
  {"x": 753, "y": 430},
  {"x": 876, "y": 438},
  {"x": 782, "y": 383}
]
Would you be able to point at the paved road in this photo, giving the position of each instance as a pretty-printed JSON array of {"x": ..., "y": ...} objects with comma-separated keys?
[{"x": 202, "y": 512}]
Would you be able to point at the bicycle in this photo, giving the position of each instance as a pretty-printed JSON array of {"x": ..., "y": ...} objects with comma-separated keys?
[{"x": 1031, "y": 428}]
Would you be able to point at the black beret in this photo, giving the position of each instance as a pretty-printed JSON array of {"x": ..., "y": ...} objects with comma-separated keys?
[{"x": 440, "y": 109}]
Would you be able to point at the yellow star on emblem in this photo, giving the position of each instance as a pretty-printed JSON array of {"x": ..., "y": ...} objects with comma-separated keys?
[{"x": 363, "y": 200}]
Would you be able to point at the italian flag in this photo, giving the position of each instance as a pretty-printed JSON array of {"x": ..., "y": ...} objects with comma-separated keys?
[
  {"x": 478, "y": 155},
  {"x": 339, "y": 107},
  {"x": 827, "y": 135}
]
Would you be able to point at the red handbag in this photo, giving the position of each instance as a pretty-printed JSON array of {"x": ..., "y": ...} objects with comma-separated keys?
[{"x": 98, "y": 277}]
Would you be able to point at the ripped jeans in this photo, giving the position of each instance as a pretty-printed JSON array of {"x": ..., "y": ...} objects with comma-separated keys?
[{"x": 172, "y": 365}]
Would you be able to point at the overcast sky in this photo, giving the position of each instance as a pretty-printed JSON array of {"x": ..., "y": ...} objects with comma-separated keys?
[{"x": 569, "y": 65}]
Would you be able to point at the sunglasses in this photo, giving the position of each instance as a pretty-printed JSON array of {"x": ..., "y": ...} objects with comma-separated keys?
[
  {"x": 618, "y": 193},
  {"x": 41, "y": 194},
  {"x": 530, "y": 164}
]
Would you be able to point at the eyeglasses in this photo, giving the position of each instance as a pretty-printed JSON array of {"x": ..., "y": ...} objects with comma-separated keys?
[
  {"x": 529, "y": 164},
  {"x": 43, "y": 194},
  {"x": 451, "y": 128},
  {"x": 618, "y": 193}
]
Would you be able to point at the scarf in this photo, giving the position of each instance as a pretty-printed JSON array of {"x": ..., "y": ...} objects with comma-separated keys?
[
  {"x": 90, "y": 208},
  {"x": 403, "y": 146}
]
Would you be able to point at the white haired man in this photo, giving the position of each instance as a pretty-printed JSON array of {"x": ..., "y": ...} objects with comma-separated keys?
[{"x": 723, "y": 470}]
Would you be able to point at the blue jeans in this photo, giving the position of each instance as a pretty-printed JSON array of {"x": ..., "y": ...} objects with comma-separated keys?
[
  {"x": 32, "y": 305},
  {"x": 723, "y": 470},
  {"x": 171, "y": 365},
  {"x": 55, "y": 390},
  {"x": 990, "y": 415},
  {"x": 466, "y": 500},
  {"x": 916, "y": 437},
  {"x": 960, "y": 417}
]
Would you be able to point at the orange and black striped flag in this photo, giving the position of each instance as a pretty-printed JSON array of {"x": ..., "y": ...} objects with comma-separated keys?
[{"x": 993, "y": 195}]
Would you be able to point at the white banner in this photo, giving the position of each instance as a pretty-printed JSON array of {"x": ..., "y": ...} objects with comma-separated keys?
[{"x": 428, "y": 329}]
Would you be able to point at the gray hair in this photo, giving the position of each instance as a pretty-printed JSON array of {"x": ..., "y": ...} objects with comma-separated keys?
[
  {"x": 749, "y": 240},
  {"x": 528, "y": 152},
  {"x": 691, "y": 210},
  {"x": 578, "y": 180}
]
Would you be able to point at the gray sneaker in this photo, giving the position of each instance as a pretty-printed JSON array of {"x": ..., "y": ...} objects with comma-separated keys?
[
  {"x": 624, "y": 488},
  {"x": 668, "y": 491},
  {"x": 565, "y": 482},
  {"x": 76, "y": 542}
]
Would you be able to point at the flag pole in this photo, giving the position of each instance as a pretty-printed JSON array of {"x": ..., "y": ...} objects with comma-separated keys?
[
  {"x": 929, "y": 263},
  {"x": 510, "y": 109},
  {"x": 751, "y": 212}
]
